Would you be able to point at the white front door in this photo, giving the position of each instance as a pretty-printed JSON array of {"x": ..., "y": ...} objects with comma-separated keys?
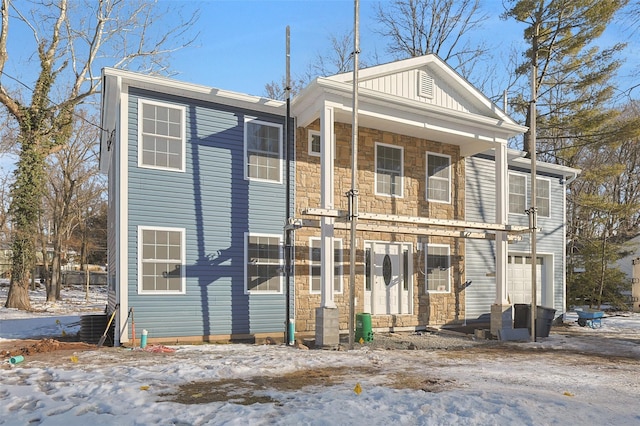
[{"x": 388, "y": 282}]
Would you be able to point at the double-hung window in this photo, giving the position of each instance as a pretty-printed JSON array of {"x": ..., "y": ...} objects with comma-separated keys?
[
  {"x": 161, "y": 255},
  {"x": 389, "y": 170},
  {"x": 438, "y": 178},
  {"x": 263, "y": 150},
  {"x": 264, "y": 261},
  {"x": 517, "y": 193},
  {"x": 438, "y": 263},
  {"x": 315, "y": 262},
  {"x": 543, "y": 197},
  {"x": 161, "y": 135}
]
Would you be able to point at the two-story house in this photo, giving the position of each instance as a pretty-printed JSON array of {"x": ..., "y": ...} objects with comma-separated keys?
[{"x": 201, "y": 185}]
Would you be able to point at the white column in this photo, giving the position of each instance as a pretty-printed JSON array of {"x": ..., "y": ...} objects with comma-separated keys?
[
  {"x": 502, "y": 203},
  {"x": 327, "y": 155}
]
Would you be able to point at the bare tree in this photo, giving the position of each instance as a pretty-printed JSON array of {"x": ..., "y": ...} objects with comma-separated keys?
[
  {"x": 74, "y": 189},
  {"x": 419, "y": 27},
  {"x": 71, "y": 41},
  {"x": 338, "y": 58}
]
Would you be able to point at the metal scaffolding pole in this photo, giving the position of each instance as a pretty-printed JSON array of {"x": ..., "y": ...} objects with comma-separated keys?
[
  {"x": 353, "y": 192},
  {"x": 533, "y": 212}
]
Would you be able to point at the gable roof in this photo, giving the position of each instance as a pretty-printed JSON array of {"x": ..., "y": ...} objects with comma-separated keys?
[{"x": 422, "y": 97}]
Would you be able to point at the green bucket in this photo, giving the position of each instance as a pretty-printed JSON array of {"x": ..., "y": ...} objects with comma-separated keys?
[{"x": 363, "y": 327}]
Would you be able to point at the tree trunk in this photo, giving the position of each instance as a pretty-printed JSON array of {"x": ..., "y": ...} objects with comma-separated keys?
[
  {"x": 18, "y": 296},
  {"x": 52, "y": 289},
  {"x": 25, "y": 211},
  {"x": 603, "y": 268}
]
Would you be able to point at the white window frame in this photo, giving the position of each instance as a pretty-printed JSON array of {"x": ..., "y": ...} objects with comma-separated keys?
[
  {"x": 280, "y": 264},
  {"x": 447, "y": 288},
  {"x": 377, "y": 174},
  {"x": 547, "y": 182},
  {"x": 428, "y": 178},
  {"x": 518, "y": 175},
  {"x": 310, "y": 135},
  {"x": 338, "y": 276},
  {"x": 254, "y": 120},
  {"x": 141, "y": 134},
  {"x": 141, "y": 260}
]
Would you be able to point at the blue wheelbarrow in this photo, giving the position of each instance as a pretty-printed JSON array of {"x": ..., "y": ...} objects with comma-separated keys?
[{"x": 590, "y": 318}]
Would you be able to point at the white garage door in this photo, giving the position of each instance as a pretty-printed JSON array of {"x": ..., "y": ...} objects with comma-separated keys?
[{"x": 519, "y": 279}]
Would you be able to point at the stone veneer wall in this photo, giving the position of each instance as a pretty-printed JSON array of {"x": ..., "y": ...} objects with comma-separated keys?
[{"x": 429, "y": 309}]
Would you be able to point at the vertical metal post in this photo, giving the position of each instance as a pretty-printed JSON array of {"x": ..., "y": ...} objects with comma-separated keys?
[
  {"x": 353, "y": 193},
  {"x": 533, "y": 213},
  {"x": 289, "y": 321}
]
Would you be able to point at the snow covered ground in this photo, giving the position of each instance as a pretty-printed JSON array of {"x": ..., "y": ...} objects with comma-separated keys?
[{"x": 578, "y": 375}]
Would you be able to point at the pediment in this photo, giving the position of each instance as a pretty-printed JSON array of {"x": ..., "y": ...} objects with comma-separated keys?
[{"x": 429, "y": 80}]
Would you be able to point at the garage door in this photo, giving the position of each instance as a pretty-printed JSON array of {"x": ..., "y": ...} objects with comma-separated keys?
[{"x": 519, "y": 279}]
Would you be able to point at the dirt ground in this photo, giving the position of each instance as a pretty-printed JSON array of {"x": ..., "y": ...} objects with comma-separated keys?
[{"x": 35, "y": 349}]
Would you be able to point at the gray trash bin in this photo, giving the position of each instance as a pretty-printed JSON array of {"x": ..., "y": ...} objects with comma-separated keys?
[{"x": 544, "y": 318}]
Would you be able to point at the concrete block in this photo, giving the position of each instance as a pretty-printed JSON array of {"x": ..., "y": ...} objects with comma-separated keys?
[{"x": 327, "y": 327}]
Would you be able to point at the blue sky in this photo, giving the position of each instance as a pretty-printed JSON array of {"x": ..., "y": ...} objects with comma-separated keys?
[
  {"x": 241, "y": 46},
  {"x": 242, "y": 42}
]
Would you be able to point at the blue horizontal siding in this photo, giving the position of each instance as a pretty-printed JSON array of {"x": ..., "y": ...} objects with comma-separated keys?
[
  {"x": 480, "y": 254},
  {"x": 215, "y": 205}
]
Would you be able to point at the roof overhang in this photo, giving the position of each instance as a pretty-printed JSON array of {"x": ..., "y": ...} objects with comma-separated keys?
[
  {"x": 473, "y": 133},
  {"x": 116, "y": 81}
]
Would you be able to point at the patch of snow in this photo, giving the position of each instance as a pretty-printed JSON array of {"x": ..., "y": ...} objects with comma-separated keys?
[{"x": 576, "y": 375}]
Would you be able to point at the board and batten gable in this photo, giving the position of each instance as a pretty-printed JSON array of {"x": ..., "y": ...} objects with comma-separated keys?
[
  {"x": 424, "y": 79},
  {"x": 201, "y": 209},
  {"x": 480, "y": 254}
]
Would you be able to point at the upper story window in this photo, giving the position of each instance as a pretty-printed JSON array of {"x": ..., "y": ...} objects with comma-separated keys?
[
  {"x": 517, "y": 193},
  {"x": 438, "y": 263},
  {"x": 264, "y": 260},
  {"x": 315, "y": 262},
  {"x": 263, "y": 150},
  {"x": 161, "y": 255},
  {"x": 314, "y": 143},
  {"x": 543, "y": 197},
  {"x": 161, "y": 135},
  {"x": 438, "y": 178},
  {"x": 389, "y": 170}
]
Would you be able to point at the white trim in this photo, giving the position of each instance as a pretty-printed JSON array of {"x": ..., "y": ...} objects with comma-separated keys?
[
  {"x": 183, "y": 135},
  {"x": 183, "y": 279},
  {"x": 401, "y": 148},
  {"x": 426, "y": 259},
  {"x": 337, "y": 246},
  {"x": 250, "y": 119},
  {"x": 526, "y": 193},
  {"x": 195, "y": 91},
  {"x": 426, "y": 195},
  {"x": 246, "y": 261},
  {"x": 122, "y": 214}
]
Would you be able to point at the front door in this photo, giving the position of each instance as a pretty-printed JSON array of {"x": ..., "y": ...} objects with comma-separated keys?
[{"x": 388, "y": 281}]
